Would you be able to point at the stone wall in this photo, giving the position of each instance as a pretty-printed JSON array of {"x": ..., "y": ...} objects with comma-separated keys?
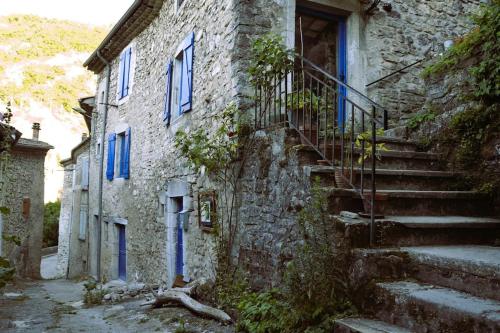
[
  {"x": 274, "y": 187},
  {"x": 22, "y": 191},
  {"x": 409, "y": 32},
  {"x": 78, "y": 244},
  {"x": 65, "y": 220},
  {"x": 153, "y": 159}
]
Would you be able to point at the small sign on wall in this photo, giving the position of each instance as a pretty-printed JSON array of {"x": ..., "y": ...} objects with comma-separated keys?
[
  {"x": 207, "y": 210},
  {"x": 26, "y": 207}
]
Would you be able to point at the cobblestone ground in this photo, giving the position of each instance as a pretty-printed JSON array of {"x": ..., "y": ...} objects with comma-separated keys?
[{"x": 55, "y": 306}]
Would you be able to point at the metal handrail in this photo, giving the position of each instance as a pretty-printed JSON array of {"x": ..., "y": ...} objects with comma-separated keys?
[
  {"x": 327, "y": 120},
  {"x": 345, "y": 85}
]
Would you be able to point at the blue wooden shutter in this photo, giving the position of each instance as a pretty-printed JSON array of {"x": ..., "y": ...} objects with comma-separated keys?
[
  {"x": 126, "y": 157},
  {"x": 110, "y": 171},
  {"x": 126, "y": 71},
  {"x": 167, "y": 111},
  {"x": 187, "y": 74},
  {"x": 85, "y": 173},
  {"x": 83, "y": 223},
  {"x": 121, "y": 74}
]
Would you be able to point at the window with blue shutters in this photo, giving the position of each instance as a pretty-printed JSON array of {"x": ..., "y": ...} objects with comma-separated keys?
[
  {"x": 124, "y": 74},
  {"x": 119, "y": 155},
  {"x": 179, "y": 81}
]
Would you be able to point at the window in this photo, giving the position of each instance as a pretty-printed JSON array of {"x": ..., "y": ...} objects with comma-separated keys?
[
  {"x": 124, "y": 74},
  {"x": 121, "y": 155},
  {"x": 98, "y": 150},
  {"x": 179, "y": 81},
  {"x": 122, "y": 158}
]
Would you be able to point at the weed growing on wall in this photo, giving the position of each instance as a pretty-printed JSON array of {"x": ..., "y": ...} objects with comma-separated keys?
[{"x": 483, "y": 43}]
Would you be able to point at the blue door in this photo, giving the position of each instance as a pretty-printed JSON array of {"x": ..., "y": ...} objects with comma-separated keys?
[
  {"x": 342, "y": 69},
  {"x": 179, "y": 260},
  {"x": 122, "y": 253}
]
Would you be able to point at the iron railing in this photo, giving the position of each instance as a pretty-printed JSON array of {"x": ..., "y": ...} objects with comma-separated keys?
[{"x": 336, "y": 120}]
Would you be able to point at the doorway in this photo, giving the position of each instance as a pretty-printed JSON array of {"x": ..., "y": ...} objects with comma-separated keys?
[
  {"x": 321, "y": 38},
  {"x": 122, "y": 253}
]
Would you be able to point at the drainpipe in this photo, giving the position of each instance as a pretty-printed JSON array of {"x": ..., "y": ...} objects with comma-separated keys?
[{"x": 101, "y": 162}]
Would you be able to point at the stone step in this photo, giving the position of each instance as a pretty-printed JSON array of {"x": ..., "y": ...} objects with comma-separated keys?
[
  {"x": 403, "y": 202},
  {"x": 421, "y": 230},
  {"x": 364, "y": 325},
  {"x": 472, "y": 269},
  {"x": 391, "y": 159},
  {"x": 428, "y": 308},
  {"x": 387, "y": 179},
  {"x": 390, "y": 143}
]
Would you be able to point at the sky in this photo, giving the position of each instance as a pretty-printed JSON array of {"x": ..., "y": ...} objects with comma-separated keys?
[{"x": 95, "y": 12}]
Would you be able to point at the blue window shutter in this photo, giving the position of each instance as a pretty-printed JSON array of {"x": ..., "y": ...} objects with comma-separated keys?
[
  {"x": 121, "y": 74},
  {"x": 126, "y": 157},
  {"x": 126, "y": 71},
  {"x": 85, "y": 173},
  {"x": 110, "y": 171},
  {"x": 83, "y": 223},
  {"x": 187, "y": 74},
  {"x": 167, "y": 111}
]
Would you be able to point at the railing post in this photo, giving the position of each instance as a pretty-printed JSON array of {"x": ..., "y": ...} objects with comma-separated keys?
[
  {"x": 373, "y": 191},
  {"x": 386, "y": 120}
]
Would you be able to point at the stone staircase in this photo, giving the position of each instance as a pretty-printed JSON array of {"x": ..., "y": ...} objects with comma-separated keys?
[{"x": 436, "y": 267}]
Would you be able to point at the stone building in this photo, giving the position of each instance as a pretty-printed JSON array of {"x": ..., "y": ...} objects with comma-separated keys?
[
  {"x": 73, "y": 249},
  {"x": 170, "y": 65},
  {"x": 22, "y": 192}
]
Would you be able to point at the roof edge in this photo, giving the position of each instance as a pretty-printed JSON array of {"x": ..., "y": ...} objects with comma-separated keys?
[
  {"x": 130, "y": 25},
  {"x": 72, "y": 157}
]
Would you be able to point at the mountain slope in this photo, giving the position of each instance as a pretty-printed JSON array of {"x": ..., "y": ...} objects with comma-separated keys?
[{"x": 41, "y": 74}]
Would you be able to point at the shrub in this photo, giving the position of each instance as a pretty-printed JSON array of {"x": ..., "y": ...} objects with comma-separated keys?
[
  {"x": 316, "y": 279},
  {"x": 93, "y": 292},
  {"x": 51, "y": 223},
  {"x": 263, "y": 313}
]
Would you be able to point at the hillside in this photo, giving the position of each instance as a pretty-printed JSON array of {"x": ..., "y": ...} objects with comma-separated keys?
[{"x": 41, "y": 74}]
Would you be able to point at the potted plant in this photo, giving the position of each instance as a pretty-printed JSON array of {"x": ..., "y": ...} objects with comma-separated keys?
[{"x": 305, "y": 117}]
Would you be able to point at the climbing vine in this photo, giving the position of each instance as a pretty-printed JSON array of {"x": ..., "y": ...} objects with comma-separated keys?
[
  {"x": 8, "y": 136},
  {"x": 481, "y": 42},
  {"x": 470, "y": 137}
]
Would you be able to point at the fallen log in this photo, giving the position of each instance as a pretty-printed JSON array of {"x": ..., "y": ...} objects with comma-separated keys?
[{"x": 180, "y": 297}]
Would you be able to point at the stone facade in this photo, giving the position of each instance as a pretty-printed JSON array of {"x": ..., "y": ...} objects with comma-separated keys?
[
  {"x": 137, "y": 202},
  {"x": 73, "y": 249},
  {"x": 274, "y": 186},
  {"x": 410, "y": 31},
  {"x": 21, "y": 190}
]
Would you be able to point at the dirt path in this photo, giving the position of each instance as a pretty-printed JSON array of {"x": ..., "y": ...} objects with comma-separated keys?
[{"x": 55, "y": 306}]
